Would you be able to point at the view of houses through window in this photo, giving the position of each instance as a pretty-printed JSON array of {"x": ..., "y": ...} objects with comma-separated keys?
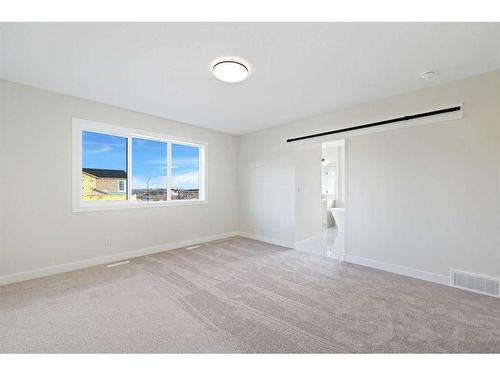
[
  {"x": 104, "y": 167},
  {"x": 105, "y": 170}
]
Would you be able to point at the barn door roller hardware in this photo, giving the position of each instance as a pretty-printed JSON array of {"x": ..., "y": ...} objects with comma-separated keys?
[{"x": 378, "y": 123}]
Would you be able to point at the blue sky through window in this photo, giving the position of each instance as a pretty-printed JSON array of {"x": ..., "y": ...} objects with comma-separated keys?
[
  {"x": 104, "y": 151},
  {"x": 149, "y": 163},
  {"x": 148, "y": 160},
  {"x": 185, "y": 167}
]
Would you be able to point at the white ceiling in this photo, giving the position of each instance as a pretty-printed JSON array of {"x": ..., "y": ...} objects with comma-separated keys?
[{"x": 297, "y": 69}]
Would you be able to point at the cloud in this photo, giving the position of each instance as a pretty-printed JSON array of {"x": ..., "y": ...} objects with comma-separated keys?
[
  {"x": 158, "y": 161},
  {"x": 98, "y": 150},
  {"x": 184, "y": 162},
  {"x": 95, "y": 147},
  {"x": 185, "y": 180},
  {"x": 159, "y": 164}
]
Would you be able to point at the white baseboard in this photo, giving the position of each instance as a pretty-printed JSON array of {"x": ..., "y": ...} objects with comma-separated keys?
[
  {"x": 52, "y": 270},
  {"x": 389, "y": 267},
  {"x": 273, "y": 241},
  {"x": 400, "y": 270}
]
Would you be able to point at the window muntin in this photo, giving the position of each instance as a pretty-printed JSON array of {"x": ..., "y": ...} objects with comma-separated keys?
[
  {"x": 192, "y": 177},
  {"x": 185, "y": 172},
  {"x": 149, "y": 170},
  {"x": 104, "y": 165}
]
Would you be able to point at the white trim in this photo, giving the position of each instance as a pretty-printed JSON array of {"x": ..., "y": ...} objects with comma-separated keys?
[
  {"x": 400, "y": 270},
  {"x": 80, "y": 125},
  {"x": 169, "y": 171},
  {"x": 389, "y": 267},
  {"x": 273, "y": 241},
  {"x": 123, "y": 262},
  {"x": 203, "y": 173},
  {"x": 375, "y": 264},
  {"x": 77, "y": 166},
  {"x": 123, "y": 205},
  {"x": 129, "y": 169},
  {"x": 52, "y": 270}
]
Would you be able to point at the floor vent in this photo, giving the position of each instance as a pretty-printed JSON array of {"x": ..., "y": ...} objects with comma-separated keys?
[{"x": 475, "y": 283}]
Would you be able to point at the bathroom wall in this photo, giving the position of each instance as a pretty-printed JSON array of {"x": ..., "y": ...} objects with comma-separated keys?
[
  {"x": 425, "y": 197},
  {"x": 341, "y": 181},
  {"x": 334, "y": 152}
]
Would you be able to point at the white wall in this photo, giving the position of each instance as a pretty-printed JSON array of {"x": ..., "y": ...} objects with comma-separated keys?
[
  {"x": 2, "y": 175},
  {"x": 429, "y": 197},
  {"x": 426, "y": 197},
  {"x": 267, "y": 185},
  {"x": 330, "y": 152},
  {"x": 36, "y": 194},
  {"x": 308, "y": 204}
]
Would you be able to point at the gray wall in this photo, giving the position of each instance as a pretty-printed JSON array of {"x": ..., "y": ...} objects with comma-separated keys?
[
  {"x": 36, "y": 192},
  {"x": 426, "y": 196}
]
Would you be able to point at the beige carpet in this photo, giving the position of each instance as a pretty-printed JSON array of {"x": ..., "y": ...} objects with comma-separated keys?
[{"x": 240, "y": 295}]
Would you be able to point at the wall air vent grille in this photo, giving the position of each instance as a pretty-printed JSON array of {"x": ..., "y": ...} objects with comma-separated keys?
[{"x": 475, "y": 283}]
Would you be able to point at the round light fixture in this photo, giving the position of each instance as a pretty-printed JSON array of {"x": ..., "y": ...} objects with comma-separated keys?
[
  {"x": 230, "y": 70},
  {"x": 427, "y": 75}
]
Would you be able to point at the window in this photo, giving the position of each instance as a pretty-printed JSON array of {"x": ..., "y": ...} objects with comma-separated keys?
[
  {"x": 185, "y": 172},
  {"x": 104, "y": 166},
  {"x": 149, "y": 170},
  {"x": 116, "y": 167}
]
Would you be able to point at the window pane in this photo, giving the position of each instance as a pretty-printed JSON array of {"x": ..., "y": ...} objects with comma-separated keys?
[
  {"x": 104, "y": 167},
  {"x": 185, "y": 172},
  {"x": 149, "y": 170}
]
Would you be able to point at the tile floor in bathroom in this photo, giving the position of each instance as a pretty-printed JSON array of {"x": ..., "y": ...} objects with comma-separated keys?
[{"x": 330, "y": 243}]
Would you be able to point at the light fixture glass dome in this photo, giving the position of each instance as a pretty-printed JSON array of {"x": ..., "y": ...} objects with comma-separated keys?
[{"x": 230, "y": 71}]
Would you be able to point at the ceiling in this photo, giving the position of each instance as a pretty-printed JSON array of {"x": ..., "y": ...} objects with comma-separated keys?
[{"x": 297, "y": 69}]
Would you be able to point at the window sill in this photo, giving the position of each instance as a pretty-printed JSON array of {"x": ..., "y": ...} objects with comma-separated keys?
[{"x": 107, "y": 206}]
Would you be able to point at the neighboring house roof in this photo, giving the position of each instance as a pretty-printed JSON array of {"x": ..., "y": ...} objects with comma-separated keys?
[{"x": 105, "y": 173}]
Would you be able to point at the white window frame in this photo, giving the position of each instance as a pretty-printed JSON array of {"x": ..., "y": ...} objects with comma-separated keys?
[{"x": 80, "y": 125}]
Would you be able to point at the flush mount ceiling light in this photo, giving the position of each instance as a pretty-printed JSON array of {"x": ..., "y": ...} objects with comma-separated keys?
[
  {"x": 230, "y": 70},
  {"x": 427, "y": 75}
]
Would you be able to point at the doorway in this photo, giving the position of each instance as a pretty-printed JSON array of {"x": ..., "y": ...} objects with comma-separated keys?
[{"x": 328, "y": 204}]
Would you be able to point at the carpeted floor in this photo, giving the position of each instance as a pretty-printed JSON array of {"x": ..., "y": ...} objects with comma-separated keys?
[{"x": 240, "y": 295}]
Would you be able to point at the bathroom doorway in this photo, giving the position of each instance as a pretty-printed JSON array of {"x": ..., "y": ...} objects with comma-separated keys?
[
  {"x": 333, "y": 196},
  {"x": 328, "y": 239}
]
